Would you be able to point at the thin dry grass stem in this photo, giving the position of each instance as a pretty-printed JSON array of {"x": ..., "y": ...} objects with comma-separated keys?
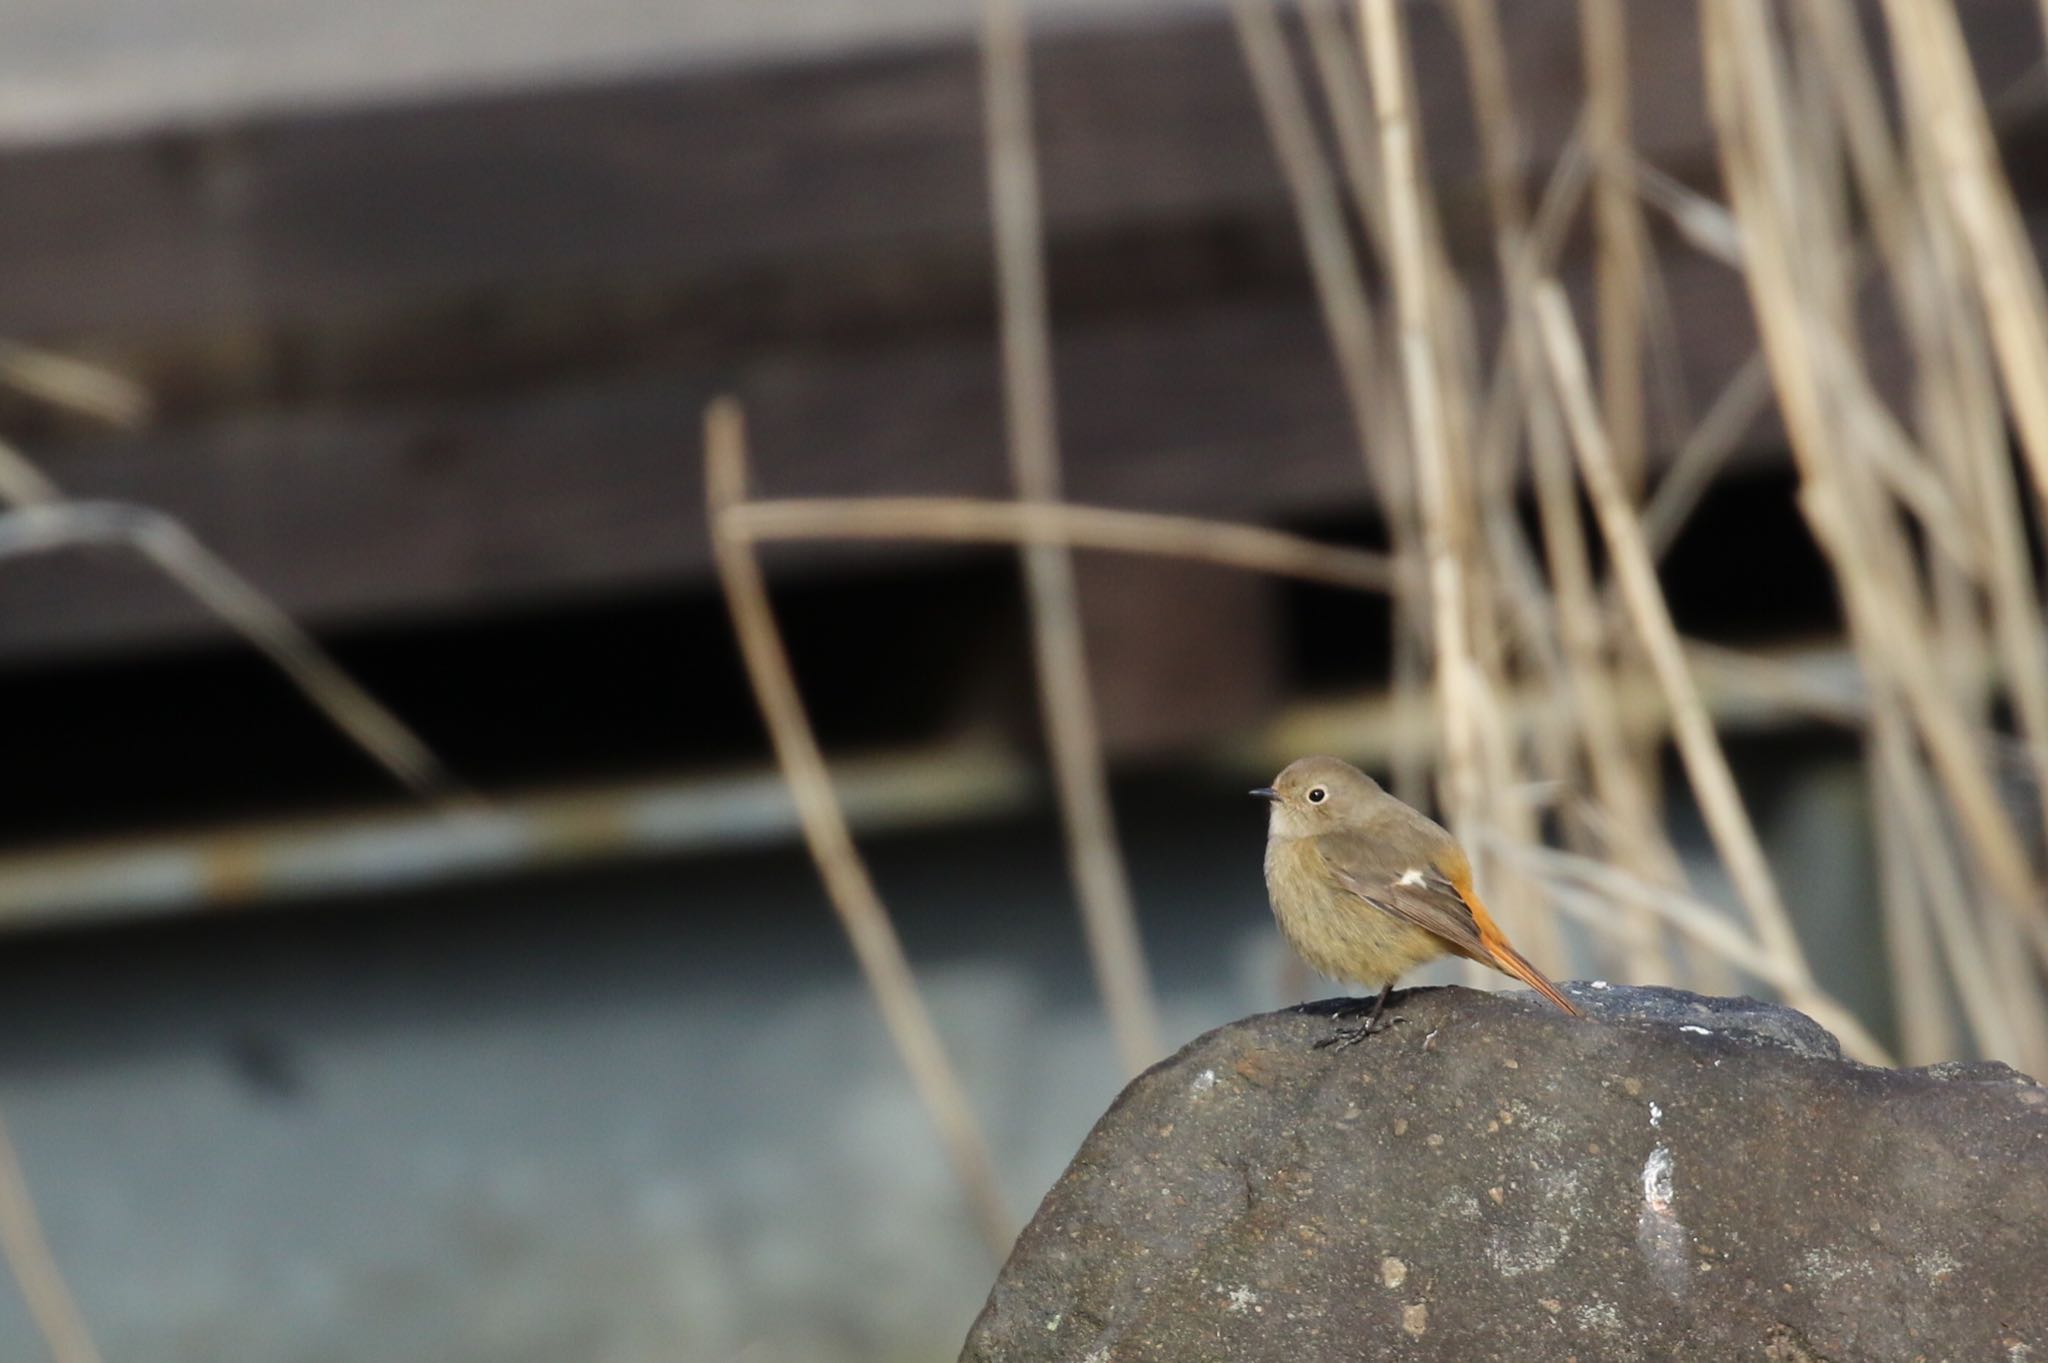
[
  {"x": 845, "y": 876},
  {"x": 21, "y": 482},
  {"x": 1749, "y": 115},
  {"x": 1561, "y": 200},
  {"x": 967, "y": 520},
  {"x": 1671, "y": 413},
  {"x": 1430, "y": 345},
  {"x": 29, "y": 1257},
  {"x": 1957, "y": 393},
  {"x": 1705, "y": 224},
  {"x": 1943, "y": 98},
  {"x": 1920, "y": 992},
  {"x": 1087, "y": 815},
  {"x": 1335, "y": 54},
  {"x": 1955, "y": 397},
  {"x": 1584, "y": 676},
  {"x": 52, "y": 525},
  {"x": 1446, "y": 525},
  {"x": 1588, "y": 889},
  {"x": 1318, "y": 210},
  {"x": 1902, "y": 792},
  {"x": 1699, "y": 747},
  {"x": 75, "y": 385},
  {"x": 1349, "y": 317},
  {"x": 1894, "y": 462},
  {"x": 1620, "y": 250},
  {"x": 1965, "y": 417},
  {"x": 1705, "y": 452}
]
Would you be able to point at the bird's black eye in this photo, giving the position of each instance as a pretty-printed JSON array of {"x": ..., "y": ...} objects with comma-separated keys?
[{"x": 1316, "y": 796}]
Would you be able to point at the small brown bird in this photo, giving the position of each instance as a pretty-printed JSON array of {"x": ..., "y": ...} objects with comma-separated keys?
[{"x": 1366, "y": 888}]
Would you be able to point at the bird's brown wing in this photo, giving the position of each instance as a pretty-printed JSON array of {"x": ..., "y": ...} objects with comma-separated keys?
[
  {"x": 1413, "y": 889},
  {"x": 1431, "y": 887}
]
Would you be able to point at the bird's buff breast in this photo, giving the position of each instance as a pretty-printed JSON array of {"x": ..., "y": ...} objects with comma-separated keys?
[{"x": 1335, "y": 931}]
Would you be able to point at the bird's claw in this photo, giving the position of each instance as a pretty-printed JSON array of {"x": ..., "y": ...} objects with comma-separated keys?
[{"x": 1351, "y": 1036}]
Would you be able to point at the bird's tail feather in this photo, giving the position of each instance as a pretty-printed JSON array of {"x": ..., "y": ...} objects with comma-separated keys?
[{"x": 1507, "y": 960}]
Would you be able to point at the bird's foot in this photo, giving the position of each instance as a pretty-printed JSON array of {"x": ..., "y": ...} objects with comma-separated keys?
[
  {"x": 1351, "y": 1036},
  {"x": 1339, "y": 1008}
]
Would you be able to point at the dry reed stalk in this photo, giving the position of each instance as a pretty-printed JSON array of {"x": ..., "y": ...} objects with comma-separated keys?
[
  {"x": 1669, "y": 401},
  {"x": 1585, "y": 675},
  {"x": 1748, "y": 111},
  {"x": 1095, "y": 858},
  {"x": 966, "y": 520},
  {"x": 1482, "y": 488},
  {"x": 61, "y": 381},
  {"x": 1436, "y": 434},
  {"x": 1620, "y": 251},
  {"x": 1920, "y": 994},
  {"x": 1349, "y": 318},
  {"x": 1960, "y": 403},
  {"x": 845, "y": 876},
  {"x": 1902, "y": 785},
  {"x": 1333, "y": 263},
  {"x": 29, "y": 1257},
  {"x": 49, "y": 525},
  {"x": 1966, "y": 421},
  {"x": 1698, "y": 746},
  {"x": 1700, "y": 922},
  {"x": 1954, "y": 391},
  {"x": 1446, "y": 525},
  {"x": 1704, "y": 453},
  {"x": 1705, "y": 225},
  {"x": 1335, "y": 54},
  {"x": 1848, "y": 513},
  {"x": 1942, "y": 98}
]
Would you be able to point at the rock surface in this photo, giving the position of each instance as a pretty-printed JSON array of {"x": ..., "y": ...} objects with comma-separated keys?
[{"x": 1677, "y": 1177}]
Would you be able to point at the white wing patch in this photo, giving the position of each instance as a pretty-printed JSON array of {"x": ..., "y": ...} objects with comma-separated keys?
[{"x": 1410, "y": 878}]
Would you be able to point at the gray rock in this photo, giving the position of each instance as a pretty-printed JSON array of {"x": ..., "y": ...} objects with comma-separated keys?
[{"x": 1678, "y": 1177}]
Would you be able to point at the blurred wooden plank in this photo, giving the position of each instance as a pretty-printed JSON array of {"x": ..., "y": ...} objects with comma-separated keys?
[
  {"x": 1228, "y": 410},
  {"x": 325, "y": 220}
]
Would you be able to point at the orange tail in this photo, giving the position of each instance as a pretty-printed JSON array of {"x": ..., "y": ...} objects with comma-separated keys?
[
  {"x": 1507, "y": 960},
  {"x": 1503, "y": 957}
]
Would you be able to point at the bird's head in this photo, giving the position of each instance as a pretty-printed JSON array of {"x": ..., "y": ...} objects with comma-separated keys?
[{"x": 1318, "y": 795}]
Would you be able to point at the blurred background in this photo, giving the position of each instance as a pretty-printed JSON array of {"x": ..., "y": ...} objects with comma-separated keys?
[{"x": 1624, "y": 429}]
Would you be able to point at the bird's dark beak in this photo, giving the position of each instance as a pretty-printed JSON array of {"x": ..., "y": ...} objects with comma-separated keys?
[{"x": 1266, "y": 793}]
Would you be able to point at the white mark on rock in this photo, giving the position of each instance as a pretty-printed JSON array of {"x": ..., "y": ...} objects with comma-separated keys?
[
  {"x": 1205, "y": 1081},
  {"x": 1597, "y": 984},
  {"x": 1599, "y": 1315},
  {"x": 1657, "y": 1179},
  {"x": 1535, "y": 1244},
  {"x": 1054, "y": 1323},
  {"x": 1096, "y": 1356},
  {"x": 1660, "y": 1235},
  {"x": 1393, "y": 1272},
  {"x": 1697, "y": 1031},
  {"x": 1415, "y": 1318},
  {"x": 1656, "y": 1115},
  {"x": 1826, "y": 1267},
  {"x": 1241, "y": 1299},
  {"x": 1936, "y": 1264},
  {"x": 1528, "y": 1249}
]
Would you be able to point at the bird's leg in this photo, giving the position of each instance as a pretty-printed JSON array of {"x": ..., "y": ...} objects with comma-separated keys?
[{"x": 1373, "y": 1025}]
